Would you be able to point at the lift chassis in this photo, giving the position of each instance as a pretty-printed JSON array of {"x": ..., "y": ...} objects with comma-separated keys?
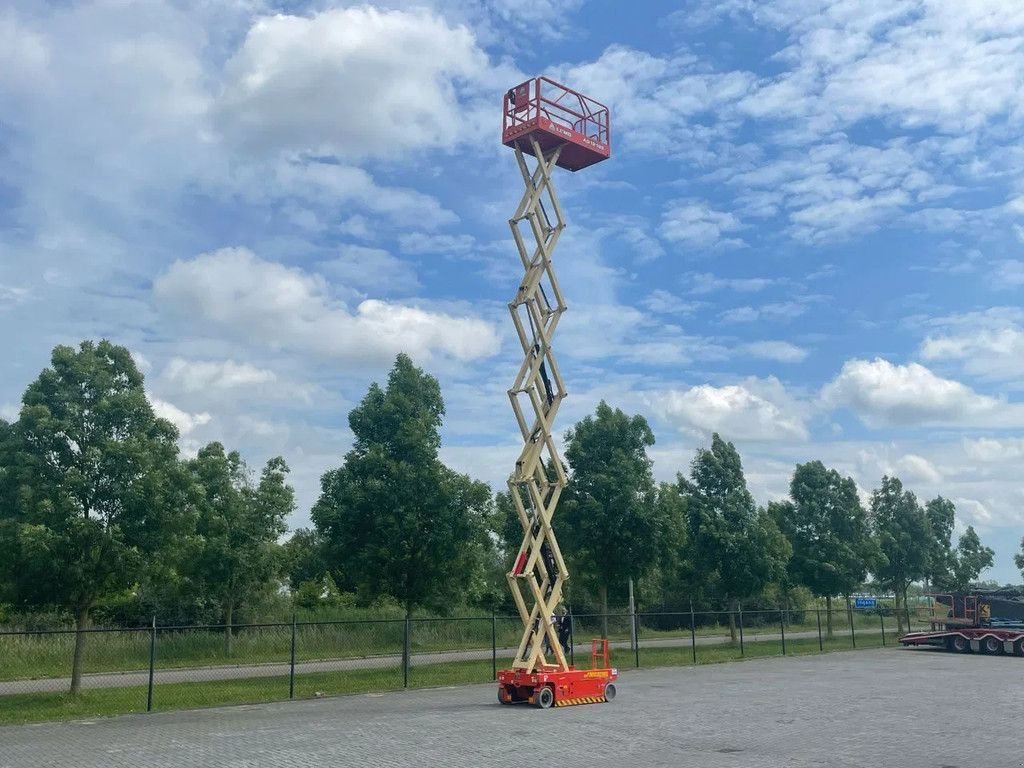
[{"x": 549, "y": 126}]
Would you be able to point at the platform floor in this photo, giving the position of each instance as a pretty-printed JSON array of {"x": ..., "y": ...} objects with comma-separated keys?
[{"x": 897, "y": 707}]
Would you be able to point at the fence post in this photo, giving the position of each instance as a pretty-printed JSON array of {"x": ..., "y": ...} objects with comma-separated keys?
[
  {"x": 908, "y": 617},
  {"x": 821, "y": 646},
  {"x": 152, "y": 664},
  {"x": 494, "y": 646},
  {"x": 636, "y": 636},
  {"x": 849, "y": 614},
  {"x": 693, "y": 634},
  {"x": 572, "y": 638},
  {"x": 782, "y": 626},
  {"x": 881, "y": 621},
  {"x": 742, "y": 653},
  {"x": 405, "y": 654},
  {"x": 291, "y": 670}
]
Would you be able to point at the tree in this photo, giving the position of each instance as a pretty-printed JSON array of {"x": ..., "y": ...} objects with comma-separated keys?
[
  {"x": 1018, "y": 558},
  {"x": 394, "y": 519},
  {"x": 828, "y": 530},
  {"x": 941, "y": 514},
  {"x": 972, "y": 557},
  {"x": 97, "y": 485},
  {"x": 607, "y": 522},
  {"x": 735, "y": 548},
  {"x": 904, "y": 537},
  {"x": 304, "y": 557},
  {"x": 235, "y": 552}
]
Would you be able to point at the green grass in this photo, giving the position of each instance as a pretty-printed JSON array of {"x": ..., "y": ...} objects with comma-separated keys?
[
  {"x": 36, "y": 707},
  {"x": 48, "y": 656}
]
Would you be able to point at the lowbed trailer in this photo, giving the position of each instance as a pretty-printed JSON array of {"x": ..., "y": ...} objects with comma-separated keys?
[
  {"x": 982, "y": 621},
  {"x": 968, "y": 639}
]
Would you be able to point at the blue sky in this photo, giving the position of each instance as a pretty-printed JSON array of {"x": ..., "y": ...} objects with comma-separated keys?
[{"x": 809, "y": 236}]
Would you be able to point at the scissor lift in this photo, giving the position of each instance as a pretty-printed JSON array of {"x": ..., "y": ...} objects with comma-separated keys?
[{"x": 549, "y": 126}]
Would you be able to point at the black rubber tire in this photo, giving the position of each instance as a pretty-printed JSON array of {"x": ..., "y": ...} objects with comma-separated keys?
[
  {"x": 504, "y": 697},
  {"x": 959, "y": 644},
  {"x": 544, "y": 698},
  {"x": 1018, "y": 647},
  {"x": 993, "y": 646},
  {"x": 609, "y": 691}
]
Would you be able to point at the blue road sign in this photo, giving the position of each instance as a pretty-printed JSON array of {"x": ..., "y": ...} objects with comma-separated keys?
[{"x": 865, "y": 602}]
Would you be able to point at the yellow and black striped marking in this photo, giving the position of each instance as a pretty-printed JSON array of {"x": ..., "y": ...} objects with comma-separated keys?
[{"x": 580, "y": 700}]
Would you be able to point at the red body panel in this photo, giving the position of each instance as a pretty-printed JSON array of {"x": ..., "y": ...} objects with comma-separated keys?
[{"x": 567, "y": 686}]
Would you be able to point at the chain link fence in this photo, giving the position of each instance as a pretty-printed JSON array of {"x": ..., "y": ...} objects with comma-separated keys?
[{"x": 172, "y": 667}]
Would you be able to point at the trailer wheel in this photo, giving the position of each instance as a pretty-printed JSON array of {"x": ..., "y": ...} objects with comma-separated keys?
[
  {"x": 958, "y": 644},
  {"x": 991, "y": 645},
  {"x": 545, "y": 697},
  {"x": 609, "y": 691},
  {"x": 1018, "y": 647}
]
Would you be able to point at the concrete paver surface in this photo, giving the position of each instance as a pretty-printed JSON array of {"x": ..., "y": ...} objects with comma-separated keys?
[{"x": 908, "y": 708}]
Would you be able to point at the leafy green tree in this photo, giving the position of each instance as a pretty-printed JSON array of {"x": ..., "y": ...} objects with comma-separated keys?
[
  {"x": 305, "y": 558},
  {"x": 1018, "y": 558},
  {"x": 394, "y": 519},
  {"x": 904, "y": 537},
  {"x": 972, "y": 557},
  {"x": 828, "y": 530},
  {"x": 607, "y": 522},
  {"x": 97, "y": 485},
  {"x": 235, "y": 553},
  {"x": 736, "y": 549},
  {"x": 941, "y": 515}
]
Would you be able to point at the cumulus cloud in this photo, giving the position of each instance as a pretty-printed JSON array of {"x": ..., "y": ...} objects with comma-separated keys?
[
  {"x": 205, "y": 375},
  {"x": 916, "y": 468},
  {"x": 697, "y": 225},
  {"x": 779, "y": 351},
  {"x": 885, "y": 394},
  {"x": 184, "y": 421},
  {"x": 991, "y": 450},
  {"x": 353, "y": 81},
  {"x": 371, "y": 269},
  {"x": 988, "y": 344},
  {"x": 736, "y": 411},
  {"x": 235, "y": 293}
]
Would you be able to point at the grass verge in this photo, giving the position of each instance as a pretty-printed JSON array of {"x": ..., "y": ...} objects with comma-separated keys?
[{"x": 39, "y": 707}]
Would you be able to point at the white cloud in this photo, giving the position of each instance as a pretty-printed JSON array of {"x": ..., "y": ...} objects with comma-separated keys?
[
  {"x": 328, "y": 189},
  {"x": 990, "y": 450},
  {"x": 704, "y": 282},
  {"x": 656, "y": 99},
  {"x": 185, "y": 422},
  {"x": 989, "y": 344},
  {"x": 663, "y": 302},
  {"x": 916, "y": 468},
  {"x": 203, "y": 375},
  {"x": 9, "y": 412},
  {"x": 737, "y": 412},
  {"x": 780, "y": 351},
  {"x": 10, "y": 294},
  {"x": 697, "y": 225},
  {"x": 418, "y": 242},
  {"x": 371, "y": 269},
  {"x": 265, "y": 303},
  {"x": 353, "y": 81},
  {"x": 884, "y": 394},
  {"x": 1008, "y": 274}
]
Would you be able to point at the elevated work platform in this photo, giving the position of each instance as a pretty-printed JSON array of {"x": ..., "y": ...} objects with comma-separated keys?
[{"x": 553, "y": 115}]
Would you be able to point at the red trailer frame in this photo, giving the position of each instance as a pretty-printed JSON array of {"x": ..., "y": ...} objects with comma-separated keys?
[{"x": 963, "y": 628}]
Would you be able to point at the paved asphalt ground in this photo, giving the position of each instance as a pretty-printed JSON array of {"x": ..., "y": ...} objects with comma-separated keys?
[
  {"x": 901, "y": 707},
  {"x": 234, "y": 672}
]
